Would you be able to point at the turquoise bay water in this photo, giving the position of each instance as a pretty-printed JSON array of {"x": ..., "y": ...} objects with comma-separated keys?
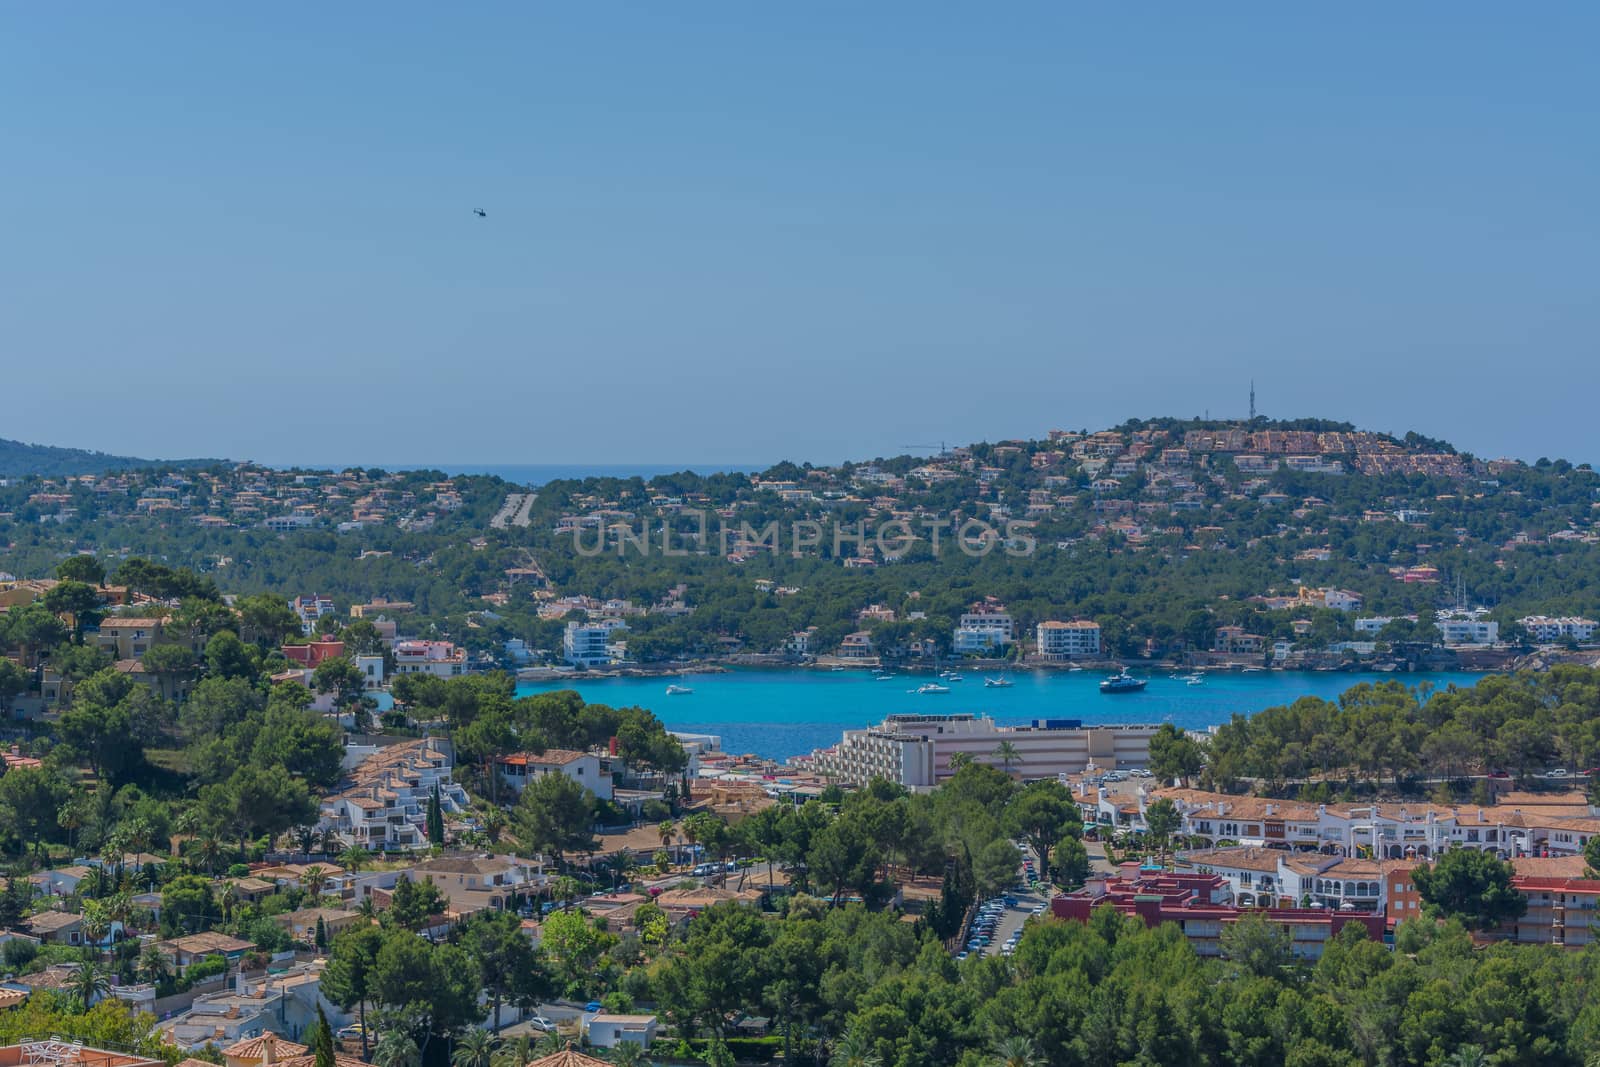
[{"x": 783, "y": 713}]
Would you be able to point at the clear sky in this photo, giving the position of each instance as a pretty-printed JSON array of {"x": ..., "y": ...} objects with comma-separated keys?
[{"x": 749, "y": 231}]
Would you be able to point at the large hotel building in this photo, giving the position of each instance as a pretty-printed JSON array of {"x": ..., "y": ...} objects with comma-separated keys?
[{"x": 915, "y": 750}]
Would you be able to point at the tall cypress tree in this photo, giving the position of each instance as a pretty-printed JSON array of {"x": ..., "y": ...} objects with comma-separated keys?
[
  {"x": 322, "y": 1040},
  {"x": 435, "y": 819}
]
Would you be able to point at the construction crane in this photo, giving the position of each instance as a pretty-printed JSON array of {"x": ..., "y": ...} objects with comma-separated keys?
[{"x": 943, "y": 451}]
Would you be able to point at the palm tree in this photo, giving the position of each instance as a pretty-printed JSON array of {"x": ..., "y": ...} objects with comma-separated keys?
[
  {"x": 208, "y": 850},
  {"x": 314, "y": 879},
  {"x": 668, "y": 830},
  {"x": 89, "y": 984},
  {"x": 630, "y": 1054},
  {"x": 1017, "y": 1051},
  {"x": 517, "y": 1053},
  {"x": 959, "y": 760},
  {"x": 396, "y": 1049},
  {"x": 854, "y": 1049},
  {"x": 687, "y": 832},
  {"x": 1008, "y": 754},
  {"x": 119, "y": 909},
  {"x": 70, "y": 819},
  {"x": 96, "y": 925},
  {"x": 153, "y": 966},
  {"x": 304, "y": 836},
  {"x": 474, "y": 1049},
  {"x": 494, "y": 822}
]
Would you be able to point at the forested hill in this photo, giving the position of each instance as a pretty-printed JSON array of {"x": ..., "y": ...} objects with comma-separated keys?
[{"x": 18, "y": 459}]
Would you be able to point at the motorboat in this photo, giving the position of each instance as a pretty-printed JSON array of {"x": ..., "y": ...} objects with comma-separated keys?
[
  {"x": 998, "y": 683},
  {"x": 678, "y": 690},
  {"x": 931, "y": 687},
  {"x": 1122, "y": 683}
]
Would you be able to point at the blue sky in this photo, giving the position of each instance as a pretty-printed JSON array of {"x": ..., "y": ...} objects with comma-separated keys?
[{"x": 741, "y": 232}]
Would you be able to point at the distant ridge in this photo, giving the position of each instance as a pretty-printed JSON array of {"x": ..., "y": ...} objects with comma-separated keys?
[{"x": 19, "y": 460}]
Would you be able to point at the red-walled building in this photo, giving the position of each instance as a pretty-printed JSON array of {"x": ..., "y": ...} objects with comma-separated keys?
[
  {"x": 1198, "y": 903},
  {"x": 310, "y": 655}
]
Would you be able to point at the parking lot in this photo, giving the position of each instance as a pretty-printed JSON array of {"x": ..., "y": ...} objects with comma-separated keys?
[{"x": 999, "y": 920}]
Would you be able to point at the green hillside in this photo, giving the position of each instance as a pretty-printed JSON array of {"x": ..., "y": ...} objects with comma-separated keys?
[{"x": 18, "y": 459}]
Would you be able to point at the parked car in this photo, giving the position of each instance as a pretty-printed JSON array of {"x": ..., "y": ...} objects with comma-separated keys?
[
  {"x": 539, "y": 1022},
  {"x": 593, "y": 1006},
  {"x": 1559, "y": 772}
]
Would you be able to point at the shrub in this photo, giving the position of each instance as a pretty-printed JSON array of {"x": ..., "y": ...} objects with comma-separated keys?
[{"x": 19, "y": 953}]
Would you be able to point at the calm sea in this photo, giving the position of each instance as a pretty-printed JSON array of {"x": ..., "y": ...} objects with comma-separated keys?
[{"x": 782, "y": 713}]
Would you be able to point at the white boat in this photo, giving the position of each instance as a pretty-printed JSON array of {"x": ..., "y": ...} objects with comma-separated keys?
[
  {"x": 882, "y": 677},
  {"x": 1122, "y": 683},
  {"x": 932, "y": 687},
  {"x": 678, "y": 690},
  {"x": 998, "y": 683},
  {"x": 1195, "y": 679}
]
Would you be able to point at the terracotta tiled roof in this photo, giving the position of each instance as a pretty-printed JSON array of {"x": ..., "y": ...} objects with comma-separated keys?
[
  {"x": 260, "y": 1048},
  {"x": 1236, "y": 859},
  {"x": 568, "y": 1057},
  {"x": 339, "y": 1060}
]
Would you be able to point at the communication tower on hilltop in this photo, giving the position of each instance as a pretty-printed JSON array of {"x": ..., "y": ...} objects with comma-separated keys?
[{"x": 1252, "y": 400}]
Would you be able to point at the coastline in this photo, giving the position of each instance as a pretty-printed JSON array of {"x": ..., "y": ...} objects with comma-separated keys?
[{"x": 975, "y": 667}]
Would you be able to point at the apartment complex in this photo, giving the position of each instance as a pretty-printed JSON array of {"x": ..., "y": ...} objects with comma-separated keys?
[
  {"x": 1077, "y": 639},
  {"x": 1544, "y": 628},
  {"x": 383, "y": 803},
  {"x": 1201, "y": 906},
  {"x": 980, "y": 630},
  {"x": 1385, "y": 831},
  {"x": 915, "y": 750},
  {"x": 589, "y": 644}
]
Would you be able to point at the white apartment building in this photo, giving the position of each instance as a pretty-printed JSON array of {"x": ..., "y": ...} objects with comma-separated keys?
[
  {"x": 996, "y": 622},
  {"x": 441, "y": 658},
  {"x": 585, "y": 768},
  {"x": 1466, "y": 630},
  {"x": 915, "y": 750},
  {"x": 1068, "y": 640},
  {"x": 1544, "y": 628},
  {"x": 1382, "y": 831},
  {"x": 1264, "y": 877},
  {"x": 309, "y": 609},
  {"x": 383, "y": 804},
  {"x": 1341, "y": 599},
  {"x": 966, "y": 642},
  {"x": 589, "y": 644},
  {"x": 980, "y": 631}
]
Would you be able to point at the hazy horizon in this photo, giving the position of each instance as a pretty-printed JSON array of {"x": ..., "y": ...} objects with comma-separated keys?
[{"x": 821, "y": 233}]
